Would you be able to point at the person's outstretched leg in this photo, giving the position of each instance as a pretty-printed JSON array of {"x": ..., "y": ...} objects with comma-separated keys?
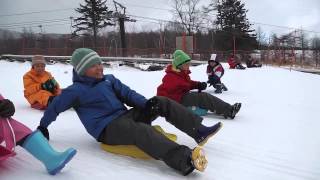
[
  {"x": 126, "y": 130},
  {"x": 206, "y": 101},
  {"x": 178, "y": 115},
  {"x": 183, "y": 119},
  {"x": 218, "y": 88},
  {"x": 186, "y": 159}
]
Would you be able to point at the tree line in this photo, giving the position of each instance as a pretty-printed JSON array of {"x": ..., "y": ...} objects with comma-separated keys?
[{"x": 229, "y": 29}]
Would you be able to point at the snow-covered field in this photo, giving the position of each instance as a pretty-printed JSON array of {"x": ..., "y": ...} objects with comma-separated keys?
[{"x": 274, "y": 137}]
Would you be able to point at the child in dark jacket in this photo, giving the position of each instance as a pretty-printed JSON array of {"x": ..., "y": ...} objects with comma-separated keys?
[
  {"x": 252, "y": 63},
  {"x": 215, "y": 71}
]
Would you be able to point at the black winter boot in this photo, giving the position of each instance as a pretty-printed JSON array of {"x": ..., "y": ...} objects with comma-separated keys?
[
  {"x": 231, "y": 113},
  {"x": 218, "y": 88},
  {"x": 239, "y": 66},
  {"x": 224, "y": 87}
]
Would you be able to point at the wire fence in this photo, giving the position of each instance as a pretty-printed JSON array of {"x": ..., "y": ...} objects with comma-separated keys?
[
  {"x": 291, "y": 58},
  {"x": 110, "y": 48}
]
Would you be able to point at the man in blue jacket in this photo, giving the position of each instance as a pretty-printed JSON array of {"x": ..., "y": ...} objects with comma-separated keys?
[{"x": 99, "y": 100}]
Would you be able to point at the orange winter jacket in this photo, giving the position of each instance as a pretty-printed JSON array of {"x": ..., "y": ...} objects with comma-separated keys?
[{"x": 32, "y": 88}]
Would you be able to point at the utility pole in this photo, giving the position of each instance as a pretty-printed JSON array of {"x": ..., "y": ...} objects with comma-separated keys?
[
  {"x": 234, "y": 40},
  {"x": 71, "y": 29},
  {"x": 120, "y": 14},
  {"x": 160, "y": 39},
  {"x": 39, "y": 38},
  {"x": 41, "y": 31}
]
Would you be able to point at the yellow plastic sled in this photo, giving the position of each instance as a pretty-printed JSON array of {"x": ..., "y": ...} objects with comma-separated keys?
[{"x": 132, "y": 150}]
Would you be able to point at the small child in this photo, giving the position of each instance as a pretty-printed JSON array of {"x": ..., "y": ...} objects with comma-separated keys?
[
  {"x": 14, "y": 133},
  {"x": 39, "y": 85},
  {"x": 215, "y": 71},
  {"x": 235, "y": 63},
  {"x": 252, "y": 63}
]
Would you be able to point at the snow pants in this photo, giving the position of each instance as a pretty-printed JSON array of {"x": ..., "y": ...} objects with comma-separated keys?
[
  {"x": 8, "y": 136},
  {"x": 134, "y": 128},
  {"x": 205, "y": 101},
  {"x": 39, "y": 100},
  {"x": 214, "y": 79}
]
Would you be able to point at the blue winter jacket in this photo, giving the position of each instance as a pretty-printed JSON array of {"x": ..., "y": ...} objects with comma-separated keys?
[{"x": 97, "y": 102}]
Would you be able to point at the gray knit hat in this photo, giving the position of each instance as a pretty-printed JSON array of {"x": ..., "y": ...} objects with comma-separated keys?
[
  {"x": 83, "y": 58},
  {"x": 38, "y": 59}
]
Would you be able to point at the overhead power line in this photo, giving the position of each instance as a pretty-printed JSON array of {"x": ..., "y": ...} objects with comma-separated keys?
[
  {"x": 146, "y": 7},
  {"x": 31, "y": 26},
  {"x": 35, "y": 12},
  {"x": 26, "y": 23}
]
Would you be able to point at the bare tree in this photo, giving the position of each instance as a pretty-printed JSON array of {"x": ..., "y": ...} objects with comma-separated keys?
[
  {"x": 261, "y": 38},
  {"x": 316, "y": 50},
  {"x": 303, "y": 42},
  {"x": 188, "y": 14},
  {"x": 212, "y": 7},
  {"x": 174, "y": 26}
]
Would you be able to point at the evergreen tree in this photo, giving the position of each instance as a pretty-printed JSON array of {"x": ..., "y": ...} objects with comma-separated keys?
[
  {"x": 233, "y": 25},
  {"x": 94, "y": 16}
]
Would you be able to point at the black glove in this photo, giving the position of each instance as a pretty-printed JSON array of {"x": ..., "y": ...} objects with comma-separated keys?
[
  {"x": 152, "y": 107},
  {"x": 202, "y": 86},
  {"x": 44, "y": 131},
  {"x": 50, "y": 99},
  {"x": 6, "y": 108},
  {"x": 49, "y": 85}
]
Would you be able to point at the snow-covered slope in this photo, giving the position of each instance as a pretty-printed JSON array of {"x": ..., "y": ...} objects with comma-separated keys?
[{"x": 274, "y": 137}]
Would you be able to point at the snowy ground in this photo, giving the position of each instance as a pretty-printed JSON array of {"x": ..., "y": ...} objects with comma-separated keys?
[{"x": 274, "y": 137}]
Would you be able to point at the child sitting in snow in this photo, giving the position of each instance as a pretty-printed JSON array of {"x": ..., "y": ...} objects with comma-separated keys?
[
  {"x": 215, "y": 71},
  {"x": 252, "y": 63},
  {"x": 101, "y": 103},
  {"x": 235, "y": 63},
  {"x": 14, "y": 133},
  {"x": 178, "y": 85},
  {"x": 39, "y": 86}
]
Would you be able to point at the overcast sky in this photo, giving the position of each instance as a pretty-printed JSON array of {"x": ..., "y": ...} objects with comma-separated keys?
[{"x": 303, "y": 14}]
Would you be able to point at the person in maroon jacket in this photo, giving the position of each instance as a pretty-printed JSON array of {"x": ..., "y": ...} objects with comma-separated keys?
[
  {"x": 177, "y": 85},
  {"x": 234, "y": 62},
  {"x": 215, "y": 71}
]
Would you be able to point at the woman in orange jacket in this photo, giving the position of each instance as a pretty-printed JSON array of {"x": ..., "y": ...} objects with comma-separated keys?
[{"x": 39, "y": 86}]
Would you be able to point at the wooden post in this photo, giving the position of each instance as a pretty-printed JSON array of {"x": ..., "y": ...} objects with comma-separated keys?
[{"x": 184, "y": 42}]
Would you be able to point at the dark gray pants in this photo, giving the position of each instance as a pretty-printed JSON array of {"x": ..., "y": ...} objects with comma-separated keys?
[
  {"x": 132, "y": 128},
  {"x": 205, "y": 101}
]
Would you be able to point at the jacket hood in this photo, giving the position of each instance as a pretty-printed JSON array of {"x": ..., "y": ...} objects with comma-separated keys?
[
  {"x": 85, "y": 79},
  {"x": 171, "y": 69}
]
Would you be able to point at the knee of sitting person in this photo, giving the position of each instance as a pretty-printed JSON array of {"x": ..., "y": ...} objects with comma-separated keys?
[
  {"x": 142, "y": 129},
  {"x": 161, "y": 99},
  {"x": 45, "y": 93},
  {"x": 204, "y": 94}
]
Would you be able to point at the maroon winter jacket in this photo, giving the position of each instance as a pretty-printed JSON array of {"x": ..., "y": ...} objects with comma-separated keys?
[
  {"x": 175, "y": 84},
  {"x": 232, "y": 62},
  {"x": 217, "y": 70}
]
